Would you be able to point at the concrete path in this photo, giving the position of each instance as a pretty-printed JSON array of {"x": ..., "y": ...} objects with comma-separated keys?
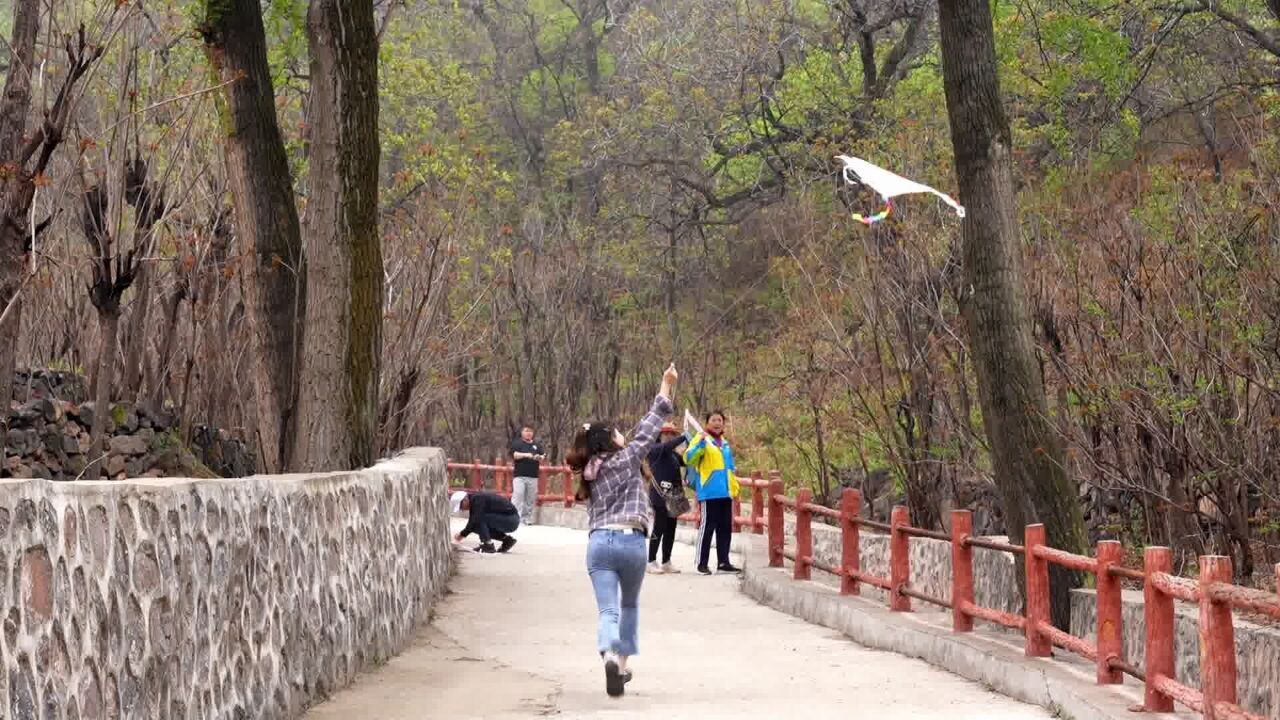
[{"x": 516, "y": 637}]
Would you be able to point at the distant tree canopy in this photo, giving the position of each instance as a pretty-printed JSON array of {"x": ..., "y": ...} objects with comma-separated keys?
[{"x": 546, "y": 200}]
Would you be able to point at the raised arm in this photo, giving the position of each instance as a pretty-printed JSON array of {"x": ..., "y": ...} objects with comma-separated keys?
[
  {"x": 672, "y": 444},
  {"x": 644, "y": 435}
]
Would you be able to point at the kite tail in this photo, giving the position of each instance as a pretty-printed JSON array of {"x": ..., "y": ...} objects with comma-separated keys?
[{"x": 872, "y": 220}]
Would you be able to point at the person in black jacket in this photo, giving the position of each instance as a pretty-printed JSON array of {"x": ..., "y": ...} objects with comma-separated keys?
[
  {"x": 492, "y": 517},
  {"x": 667, "y": 468}
]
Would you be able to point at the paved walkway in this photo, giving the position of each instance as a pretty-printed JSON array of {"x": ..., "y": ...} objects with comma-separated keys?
[{"x": 515, "y": 639}]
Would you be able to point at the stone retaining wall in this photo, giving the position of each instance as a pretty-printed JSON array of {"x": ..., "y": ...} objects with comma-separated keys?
[{"x": 180, "y": 599}]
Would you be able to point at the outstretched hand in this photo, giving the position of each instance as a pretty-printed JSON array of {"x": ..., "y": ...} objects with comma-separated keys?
[{"x": 668, "y": 379}]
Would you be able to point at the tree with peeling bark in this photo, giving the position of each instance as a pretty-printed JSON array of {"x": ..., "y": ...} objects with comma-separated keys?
[
  {"x": 342, "y": 345},
  {"x": 266, "y": 216},
  {"x": 1026, "y": 451},
  {"x": 318, "y": 389}
]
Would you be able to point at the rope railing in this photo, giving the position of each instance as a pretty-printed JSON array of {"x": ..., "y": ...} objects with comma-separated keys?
[{"x": 1213, "y": 591}]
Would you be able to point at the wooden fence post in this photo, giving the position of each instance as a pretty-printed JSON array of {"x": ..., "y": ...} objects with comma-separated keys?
[
  {"x": 1158, "y": 611},
  {"x": 776, "y": 522},
  {"x": 1217, "y": 638},
  {"x": 477, "y": 482},
  {"x": 566, "y": 484},
  {"x": 850, "y": 558},
  {"x": 961, "y": 570},
  {"x": 804, "y": 534},
  {"x": 500, "y": 475},
  {"x": 737, "y": 512},
  {"x": 543, "y": 473},
  {"x": 1110, "y": 620},
  {"x": 1038, "y": 612},
  {"x": 757, "y": 504},
  {"x": 899, "y": 559}
]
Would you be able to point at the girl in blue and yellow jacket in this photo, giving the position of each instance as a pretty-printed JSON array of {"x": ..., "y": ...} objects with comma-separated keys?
[{"x": 709, "y": 460}]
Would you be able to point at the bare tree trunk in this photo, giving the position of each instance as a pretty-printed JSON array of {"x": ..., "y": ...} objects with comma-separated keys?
[
  {"x": 14, "y": 108},
  {"x": 265, "y": 214},
  {"x": 108, "y": 327},
  {"x": 136, "y": 335},
  {"x": 338, "y": 392},
  {"x": 164, "y": 354},
  {"x": 1027, "y": 455}
]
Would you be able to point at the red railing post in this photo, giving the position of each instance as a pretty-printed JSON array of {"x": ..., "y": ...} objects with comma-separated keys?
[
  {"x": 1158, "y": 611},
  {"x": 1217, "y": 638},
  {"x": 776, "y": 522},
  {"x": 1037, "y": 645},
  {"x": 543, "y": 473},
  {"x": 961, "y": 570},
  {"x": 1110, "y": 613},
  {"x": 850, "y": 558},
  {"x": 804, "y": 534},
  {"x": 477, "y": 481},
  {"x": 500, "y": 475},
  {"x": 1110, "y": 608},
  {"x": 737, "y": 512},
  {"x": 566, "y": 484},
  {"x": 757, "y": 504},
  {"x": 899, "y": 559},
  {"x": 1278, "y": 578}
]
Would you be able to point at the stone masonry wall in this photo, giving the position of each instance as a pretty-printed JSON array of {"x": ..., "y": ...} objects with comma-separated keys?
[{"x": 194, "y": 599}]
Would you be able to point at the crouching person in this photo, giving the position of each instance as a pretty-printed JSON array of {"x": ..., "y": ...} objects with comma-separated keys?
[{"x": 492, "y": 517}]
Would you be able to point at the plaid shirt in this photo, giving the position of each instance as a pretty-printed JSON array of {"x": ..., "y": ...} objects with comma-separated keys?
[{"x": 619, "y": 495}]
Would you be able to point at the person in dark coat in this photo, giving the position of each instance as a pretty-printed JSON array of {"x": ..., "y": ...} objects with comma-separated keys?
[
  {"x": 491, "y": 517},
  {"x": 666, "y": 466}
]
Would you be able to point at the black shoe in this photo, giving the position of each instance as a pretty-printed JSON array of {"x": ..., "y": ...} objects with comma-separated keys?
[
  {"x": 704, "y": 570},
  {"x": 728, "y": 568},
  {"x": 507, "y": 544},
  {"x": 626, "y": 677},
  {"x": 613, "y": 679},
  {"x": 486, "y": 548}
]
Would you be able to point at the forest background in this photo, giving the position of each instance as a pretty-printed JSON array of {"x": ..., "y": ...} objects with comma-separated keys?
[{"x": 573, "y": 192}]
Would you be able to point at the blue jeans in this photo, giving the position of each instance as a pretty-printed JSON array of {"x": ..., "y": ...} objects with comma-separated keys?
[{"x": 615, "y": 561}]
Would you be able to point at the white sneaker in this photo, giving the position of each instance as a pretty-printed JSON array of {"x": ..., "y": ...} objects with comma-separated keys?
[
  {"x": 670, "y": 569},
  {"x": 656, "y": 569}
]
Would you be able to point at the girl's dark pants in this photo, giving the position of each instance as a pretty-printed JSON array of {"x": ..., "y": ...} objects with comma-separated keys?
[{"x": 664, "y": 529}]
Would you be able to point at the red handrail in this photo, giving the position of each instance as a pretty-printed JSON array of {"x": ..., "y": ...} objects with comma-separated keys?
[{"x": 1212, "y": 591}]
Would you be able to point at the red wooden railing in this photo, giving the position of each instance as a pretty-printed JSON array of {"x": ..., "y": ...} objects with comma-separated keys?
[
  {"x": 504, "y": 479},
  {"x": 1213, "y": 592}
]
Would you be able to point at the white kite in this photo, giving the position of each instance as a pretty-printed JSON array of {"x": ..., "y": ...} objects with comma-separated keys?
[{"x": 888, "y": 185}]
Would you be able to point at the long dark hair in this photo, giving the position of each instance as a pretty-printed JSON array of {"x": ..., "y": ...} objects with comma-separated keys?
[{"x": 590, "y": 440}]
